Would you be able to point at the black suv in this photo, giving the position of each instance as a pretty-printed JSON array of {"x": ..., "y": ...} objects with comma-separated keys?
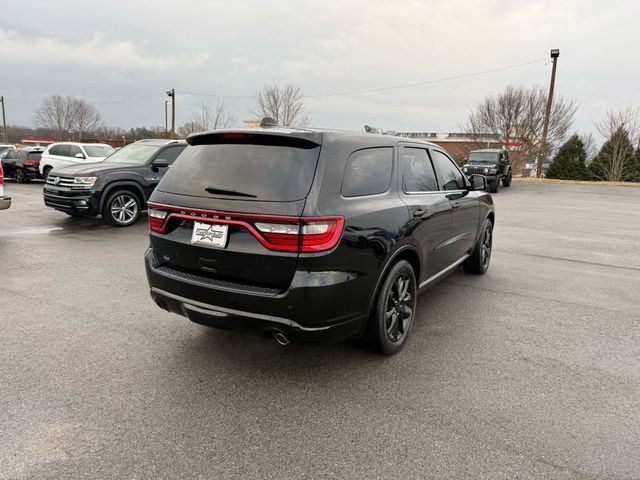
[
  {"x": 116, "y": 188},
  {"x": 22, "y": 164},
  {"x": 311, "y": 235},
  {"x": 493, "y": 163}
]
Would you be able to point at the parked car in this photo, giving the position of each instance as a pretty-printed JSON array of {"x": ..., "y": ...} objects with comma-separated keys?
[
  {"x": 4, "y": 147},
  {"x": 116, "y": 188},
  {"x": 493, "y": 163},
  {"x": 5, "y": 202},
  {"x": 22, "y": 164},
  {"x": 312, "y": 235},
  {"x": 70, "y": 153}
]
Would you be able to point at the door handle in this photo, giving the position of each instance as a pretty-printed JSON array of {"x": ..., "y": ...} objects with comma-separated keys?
[
  {"x": 455, "y": 205},
  {"x": 418, "y": 213}
]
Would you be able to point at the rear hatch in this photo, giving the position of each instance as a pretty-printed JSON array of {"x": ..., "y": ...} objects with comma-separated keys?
[{"x": 229, "y": 206}]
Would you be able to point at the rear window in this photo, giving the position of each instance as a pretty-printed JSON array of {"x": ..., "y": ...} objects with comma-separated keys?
[
  {"x": 34, "y": 155},
  {"x": 278, "y": 173},
  {"x": 368, "y": 172}
]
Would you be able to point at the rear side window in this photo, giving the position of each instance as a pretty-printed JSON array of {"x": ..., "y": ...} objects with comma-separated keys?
[
  {"x": 276, "y": 172},
  {"x": 368, "y": 172},
  {"x": 62, "y": 150},
  {"x": 417, "y": 171},
  {"x": 449, "y": 176},
  {"x": 171, "y": 153}
]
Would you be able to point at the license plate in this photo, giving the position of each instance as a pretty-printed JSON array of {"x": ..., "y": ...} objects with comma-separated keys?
[{"x": 209, "y": 234}]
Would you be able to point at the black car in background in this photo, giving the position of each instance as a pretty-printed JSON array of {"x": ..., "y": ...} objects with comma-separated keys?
[
  {"x": 22, "y": 164},
  {"x": 310, "y": 235},
  {"x": 116, "y": 188},
  {"x": 493, "y": 163}
]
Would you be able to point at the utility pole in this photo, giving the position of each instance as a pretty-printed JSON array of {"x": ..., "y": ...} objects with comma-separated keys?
[
  {"x": 172, "y": 94},
  {"x": 166, "y": 116},
  {"x": 4, "y": 122},
  {"x": 555, "y": 53}
]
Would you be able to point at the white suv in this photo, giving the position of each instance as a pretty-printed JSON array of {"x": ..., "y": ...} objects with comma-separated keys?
[{"x": 68, "y": 153}]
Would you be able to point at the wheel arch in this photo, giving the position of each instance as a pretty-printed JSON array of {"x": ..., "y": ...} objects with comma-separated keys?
[
  {"x": 406, "y": 252},
  {"x": 128, "y": 186}
]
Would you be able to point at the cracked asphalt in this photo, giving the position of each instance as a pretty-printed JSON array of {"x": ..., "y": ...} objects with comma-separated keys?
[{"x": 531, "y": 371}]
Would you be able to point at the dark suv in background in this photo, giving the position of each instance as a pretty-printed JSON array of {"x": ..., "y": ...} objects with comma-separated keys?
[
  {"x": 116, "y": 188},
  {"x": 311, "y": 235},
  {"x": 493, "y": 163},
  {"x": 22, "y": 164}
]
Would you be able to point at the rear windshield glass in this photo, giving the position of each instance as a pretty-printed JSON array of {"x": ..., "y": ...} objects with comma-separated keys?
[
  {"x": 98, "y": 150},
  {"x": 34, "y": 155},
  {"x": 243, "y": 171}
]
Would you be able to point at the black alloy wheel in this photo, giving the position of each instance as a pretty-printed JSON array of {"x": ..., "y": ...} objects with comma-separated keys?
[
  {"x": 394, "y": 311},
  {"x": 480, "y": 258},
  {"x": 19, "y": 176}
]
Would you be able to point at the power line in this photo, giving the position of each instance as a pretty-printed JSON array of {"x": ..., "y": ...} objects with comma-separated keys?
[{"x": 425, "y": 82}]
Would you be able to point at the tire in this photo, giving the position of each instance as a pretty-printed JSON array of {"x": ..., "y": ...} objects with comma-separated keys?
[
  {"x": 506, "y": 181},
  {"x": 46, "y": 171},
  {"x": 18, "y": 176},
  {"x": 122, "y": 208},
  {"x": 493, "y": 186},
  {"x": 478, "y": 262},
  {"x": 394, "y": 310}
]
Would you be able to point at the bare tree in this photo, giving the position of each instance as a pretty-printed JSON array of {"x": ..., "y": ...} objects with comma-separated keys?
[
  {"x": 85, "y": 117},
  {"x": 54, "y": 114},
  {"x": 59, "y": 114},
  {"x": 282, "y": 103},
  {"x": 516, "y": 117},
  {"x": 208, "y": 119},
  {"x": 621, "y": 128}
]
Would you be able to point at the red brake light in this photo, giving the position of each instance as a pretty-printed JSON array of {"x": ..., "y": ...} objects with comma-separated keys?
[
  {"x": 233, "y": 136},
  {"x": 283, "y": 234},
  {"x": 31, "y": 163}
]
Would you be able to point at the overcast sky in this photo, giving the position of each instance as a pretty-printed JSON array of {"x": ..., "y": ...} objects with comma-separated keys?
[{"x": 110, "y": 50}]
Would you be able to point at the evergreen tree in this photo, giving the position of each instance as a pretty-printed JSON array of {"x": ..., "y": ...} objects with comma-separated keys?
[
  {"x": 633, "y": 169},
  {"x": 615, "y": 160},
  {"x": 570, "y": 161}
]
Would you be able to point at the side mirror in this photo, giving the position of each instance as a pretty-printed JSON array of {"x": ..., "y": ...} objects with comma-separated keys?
[
  {"x": 478, "y": 182},
  {"x": 160, "y": 163},
  {"x": 79, "y": 155}
]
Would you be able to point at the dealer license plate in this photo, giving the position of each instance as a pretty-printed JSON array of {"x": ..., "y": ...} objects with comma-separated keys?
[{"x": 209, "y": 234}]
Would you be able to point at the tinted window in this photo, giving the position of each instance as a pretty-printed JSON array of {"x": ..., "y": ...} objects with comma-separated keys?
[
  {"x": 449, "y": 176},
  {"x": 62, "y": 150},
  {"x": 253, "y": 172},
  {"x": 417, "y": 171},
  {"x": 171, "y": 153},
  {"x": 368, "y": 172},
  {"x": 34, "y": 155},
  {"x": 74, "y": 150}
]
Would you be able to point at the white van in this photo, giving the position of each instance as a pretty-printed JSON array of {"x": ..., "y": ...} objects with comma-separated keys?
[{"x": 70, "y": 153}]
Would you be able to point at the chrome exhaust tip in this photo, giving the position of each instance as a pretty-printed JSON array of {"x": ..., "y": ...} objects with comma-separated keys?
[{"x": 281, "y": 338}]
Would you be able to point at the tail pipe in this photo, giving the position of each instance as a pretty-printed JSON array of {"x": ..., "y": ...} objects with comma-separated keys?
[{"x": 281, "y": 338}]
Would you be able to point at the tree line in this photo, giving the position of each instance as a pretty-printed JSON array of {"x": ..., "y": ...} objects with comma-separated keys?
[{"x": 514, "y": 116}]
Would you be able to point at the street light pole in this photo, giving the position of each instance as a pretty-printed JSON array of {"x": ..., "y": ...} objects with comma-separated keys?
[
  {"x": 166, "y": 116},
  {"x": 172, "y": 94},
  {"x": 555, "y": 53},
  {"x": 4, "y": 122}
]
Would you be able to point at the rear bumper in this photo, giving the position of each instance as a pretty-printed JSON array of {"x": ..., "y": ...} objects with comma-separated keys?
[
  {"x": 5, "y": 202},
  {"x": 304, "y": 313},
  {"x": 32, "y": 173}
]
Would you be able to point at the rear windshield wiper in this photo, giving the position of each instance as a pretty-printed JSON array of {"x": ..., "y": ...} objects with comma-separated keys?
[{"x": 222, "y": 191}]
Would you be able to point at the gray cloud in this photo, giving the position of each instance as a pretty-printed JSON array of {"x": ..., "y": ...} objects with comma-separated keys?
[{"x": 117, "y": 50}]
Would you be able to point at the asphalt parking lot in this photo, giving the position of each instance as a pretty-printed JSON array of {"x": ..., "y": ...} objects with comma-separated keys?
[{"x": 531, "y": 371}]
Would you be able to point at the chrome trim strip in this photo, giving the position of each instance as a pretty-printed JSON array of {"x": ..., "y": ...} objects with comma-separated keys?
[{"x": 442, "y": 272}]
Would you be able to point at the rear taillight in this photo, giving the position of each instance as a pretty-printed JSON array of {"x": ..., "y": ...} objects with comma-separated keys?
[
  {"x": 307, "y": 235},
  {"x": 31, "y": 163},
  {"x": 156, "y": 220}
]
